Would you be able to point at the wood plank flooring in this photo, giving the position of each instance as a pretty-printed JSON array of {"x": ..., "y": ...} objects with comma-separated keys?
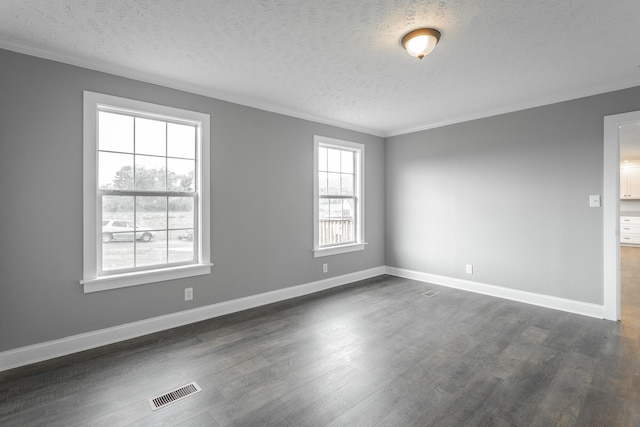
[{"x": 374, "y": 353}]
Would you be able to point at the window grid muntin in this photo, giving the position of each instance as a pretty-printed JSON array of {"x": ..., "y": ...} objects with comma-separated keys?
[
  {"x": 167, "y": 229},
  {"x": 166, "y": 120},
  {"x": 353, "y": 228},
  {"x": 142, "y": 193}
]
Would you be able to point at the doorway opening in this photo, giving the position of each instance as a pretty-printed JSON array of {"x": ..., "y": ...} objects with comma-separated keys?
[{"x": 616, "y": 127}]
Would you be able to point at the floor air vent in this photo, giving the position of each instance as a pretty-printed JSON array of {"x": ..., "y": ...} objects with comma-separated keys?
[
  {"x": 431, "y": 293},
  {"x": 174, "y": 396}
]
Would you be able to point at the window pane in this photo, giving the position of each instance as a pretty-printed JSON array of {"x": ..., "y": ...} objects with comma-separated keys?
[
  {"x": 333, "y": 160},
  {"x": 151, "y": 137},
  {"x": 347, "y": 223},
  {"x": 151, "y": 212},
  {"x": 322, "y": 183},
  {"x": 348, "y": 209},
  {"x": 115, "y": 171},
  {"x": 346, "y": 231},
  {"x": 117, "y": 254},
  {"x": 186, "y": 234},
  {"x": 322, "y": 158},
  {"x": 181, "y": 212},
  {"x": 153, "y": 251},
  {"x": 150, "y": 173},
  {"x": 347, "y": 162},
  {"x": 181, "y": 247},
  {"x": 334, "y": 183},
  {"x": 115, "y": 132},
  {"x": 339, "y": 227},
  {"x": 117, "y": 208},
  {"x": 346, "y": 185},
  {"x": 181, "y": 173},
  {"x": 181, "y": 141},
  {"x": 335, "y": 208},
  {"x": 324, "y": 208},
  {"x": 117, "y": 232},
  {"x": 324, "y": 231}
]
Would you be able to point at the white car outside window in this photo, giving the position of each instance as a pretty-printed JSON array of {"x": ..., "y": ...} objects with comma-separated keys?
[{"x": 113, "y": 229}]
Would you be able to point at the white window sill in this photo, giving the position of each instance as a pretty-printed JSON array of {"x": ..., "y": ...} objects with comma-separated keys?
[
  {"x": 142, "y": 277},
  {"x": 335, "y": 250}
]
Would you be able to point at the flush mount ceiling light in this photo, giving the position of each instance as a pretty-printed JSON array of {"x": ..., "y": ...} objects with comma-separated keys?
[{"x": 420, "y": 42}]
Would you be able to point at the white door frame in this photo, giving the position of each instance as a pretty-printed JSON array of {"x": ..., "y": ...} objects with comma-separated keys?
[{"x": 611, "y": 211}]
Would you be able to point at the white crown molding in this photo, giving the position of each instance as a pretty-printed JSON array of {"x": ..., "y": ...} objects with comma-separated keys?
[
  {"x": 547, "y": 301},
  {"x": 48, "y": 350},
  {"x": 23, "y": 48},
  {"x": 16, "y": 46}
]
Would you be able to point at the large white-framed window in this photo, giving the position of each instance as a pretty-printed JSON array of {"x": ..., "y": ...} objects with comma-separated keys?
[
  {"x": 338, "y": 195},
  {"x": 146, "y": 193}
]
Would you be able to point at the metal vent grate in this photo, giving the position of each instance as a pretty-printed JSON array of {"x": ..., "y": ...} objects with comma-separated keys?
[
  {"x": 431, "y": 293},
  {"x": 174, "y": 396}
]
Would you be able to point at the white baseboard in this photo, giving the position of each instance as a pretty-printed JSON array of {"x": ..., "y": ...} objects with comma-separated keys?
[
  {"x": 48, "y": 350},
  {"x": 571, "y": 306}
]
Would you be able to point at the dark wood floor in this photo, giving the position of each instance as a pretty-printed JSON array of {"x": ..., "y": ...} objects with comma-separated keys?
[
  {"x": 630, "y": 281},
  {"x": 376, "y": 353}
]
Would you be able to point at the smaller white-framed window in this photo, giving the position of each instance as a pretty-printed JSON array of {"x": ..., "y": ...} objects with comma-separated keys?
[
  {"x": 146, "y": 193},
  {"x": 338, "y": 196}
]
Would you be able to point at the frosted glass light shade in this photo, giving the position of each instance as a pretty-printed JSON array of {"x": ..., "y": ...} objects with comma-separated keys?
[{"x": 420, "y": 42}]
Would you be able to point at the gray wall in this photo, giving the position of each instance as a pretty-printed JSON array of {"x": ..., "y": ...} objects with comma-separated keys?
[
  {"x": 261, "y": 204},
  {"x": 508, "y": 194}
]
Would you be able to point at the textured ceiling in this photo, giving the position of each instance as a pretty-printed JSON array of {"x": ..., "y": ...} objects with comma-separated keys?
[{"x": 340, "y": 62}]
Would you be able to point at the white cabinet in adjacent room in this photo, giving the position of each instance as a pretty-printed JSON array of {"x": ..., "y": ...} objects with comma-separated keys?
[
  {"x": 630, "y": 181},
  {"x": 630, "y": 230}
]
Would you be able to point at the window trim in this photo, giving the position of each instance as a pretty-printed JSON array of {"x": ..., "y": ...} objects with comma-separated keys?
[
  {"x": 359, "y": 243},
  {"x": 93, "y": 282}
]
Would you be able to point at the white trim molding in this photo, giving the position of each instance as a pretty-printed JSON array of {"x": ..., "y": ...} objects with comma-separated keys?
[
  {"x": 218, "y": 93},
  {"x": 94, "y": 278},
  {"x": 157, "y": 79},
  {"x": 562, "y": 304},
  {"x": 358, "y": 214},
  {"x": 48, "y": 350}
]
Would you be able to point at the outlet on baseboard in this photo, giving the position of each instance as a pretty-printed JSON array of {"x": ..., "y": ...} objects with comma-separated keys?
[
  {"x": 325, "y": 268},
  {"x": 469, "y": 269},
  {"x": 188, "y": 294}
]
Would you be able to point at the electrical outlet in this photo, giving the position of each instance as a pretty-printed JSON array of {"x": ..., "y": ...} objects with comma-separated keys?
[
  {"x": 325, "y": 268},
  {"x": 469, "y": 269},
  {"x": 188, "y": 294}
]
